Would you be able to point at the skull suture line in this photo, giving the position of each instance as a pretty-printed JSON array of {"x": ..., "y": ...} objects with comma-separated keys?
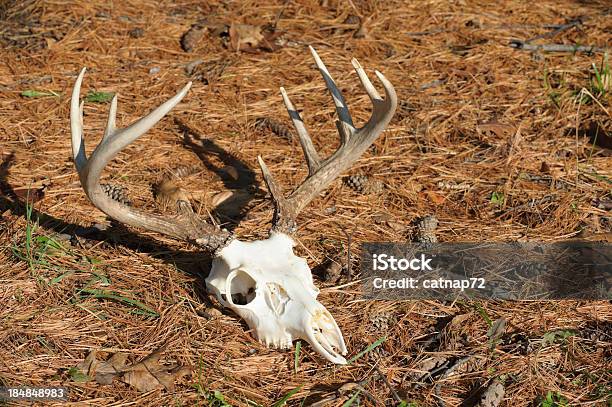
[{"x": 262, "y": 281}]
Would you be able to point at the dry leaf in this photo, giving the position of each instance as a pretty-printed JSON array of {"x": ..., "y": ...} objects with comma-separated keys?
[
  {"x": 144, "y": 376},
  {"x": 458, "y": 319},
  {"x": 194, "y": 35},
  {"x": 397, "y": 226},
  {"x": 107, "y": 371},
  {"x": 492, "y": 396},
  {"x": 245, "y": 37},
  {"x": 250, "y": 38},
  {"x": 31, "y": 195},
  {"x": 191, "y": 38},
  {"x": 148, "y": 374},
  {"x": 168, "y": 193},
  {"x": 499, "y": 129},
  {"x": 435, "y": 198},
  {"x": 423, "y": 369},
  {"x": 103, "y": 372},
  {"x": 497, "y": 329},
  {"x": 88, "y": 366},
  {"x": 381, "y": 217}
]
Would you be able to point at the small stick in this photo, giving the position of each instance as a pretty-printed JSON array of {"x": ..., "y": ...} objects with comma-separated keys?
[
  {"x": 572, "y": 23},
  {"x": 349, "y": 238},
  {"x": 523, "y": 45},
  {"x": 533, "y": 203},
  {"x": 393, "y": 392},
  {"x": 428, "y": 32},
  {"x": 449, "y": 371},
  {"x": 280, "y": 15},
  {"x": 557, "y": 27}
]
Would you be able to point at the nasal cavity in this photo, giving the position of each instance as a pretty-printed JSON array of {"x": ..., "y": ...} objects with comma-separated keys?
[{"x": 242, "y": 288}]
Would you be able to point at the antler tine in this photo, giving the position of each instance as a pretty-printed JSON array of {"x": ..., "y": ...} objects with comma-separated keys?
[
  {"x": 185, "y": 226},
  {"x": 76, "y": 125},
  {"x": 353, "y": 143},
  {"x": 112, "y": 117},
  {"x": 312, "y": 157},
  {"x": 345, "y": 121},
  {"x": 383, "y": 109}
]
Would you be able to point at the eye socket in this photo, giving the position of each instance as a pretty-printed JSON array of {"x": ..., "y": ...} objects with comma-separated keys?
[{"x": 241, "y": 286}]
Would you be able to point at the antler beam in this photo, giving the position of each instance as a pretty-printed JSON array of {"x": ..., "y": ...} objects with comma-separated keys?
[
  {"x": 353, "y": 143},
  {"x": 186, "y": 225}
]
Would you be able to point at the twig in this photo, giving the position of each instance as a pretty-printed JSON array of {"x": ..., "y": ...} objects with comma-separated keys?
[
  {"x": 433, "y": 84},
  {"x": 460, "y": 362},
  {"x": 557, "y": 28},
  {"x": 525, "y": 46},
  {"x": 279, "y": 15},
  {"x": 570, "y": 24},
  {"x": 393, "y": 392},
  {"x": 533, "y": 203},
  {"x": 428, "y": 32},
  {"x": 349, "y": 238}
]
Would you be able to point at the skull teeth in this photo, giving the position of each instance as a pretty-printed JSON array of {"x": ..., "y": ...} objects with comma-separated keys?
[{"x": 277, "y": 343}]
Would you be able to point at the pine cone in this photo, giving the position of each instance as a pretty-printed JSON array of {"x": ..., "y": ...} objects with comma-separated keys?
[
  {"x": 364, "y": 184},
  {"x": 266, "y": 123},
  {"x": 207, "y": 71},
  {"x": 426, "y": 229},
  {"x": 357, "y": 182},
  {"x": 382, "y": 322},
  {"x": 182, "y": 171},
  {"x": 378, "y": 353},
  {"x": 116, "y": 193}
]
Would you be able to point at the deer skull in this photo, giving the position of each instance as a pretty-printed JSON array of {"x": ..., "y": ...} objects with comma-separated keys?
[
  {"x": 272, "y": 289},
  {"x": 262, "y": 281}
]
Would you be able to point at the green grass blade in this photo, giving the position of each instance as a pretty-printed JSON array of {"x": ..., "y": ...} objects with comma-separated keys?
[
  {"x": 77, "y": 376},
  {"x": 366, "y": 350},
  {"x": 600, "y": 84},
  {"x": 296, "y": 361},
  {"x": 30, "y": 93},
  {"x": 350, "y": 401},
  {"x": 99, "y": 97},
  {"x": 102, "y": 294},
  {"x": 286, "y": 397},
  {"x": 483, "y": 314},
  {"x": 60, "y": 277}
]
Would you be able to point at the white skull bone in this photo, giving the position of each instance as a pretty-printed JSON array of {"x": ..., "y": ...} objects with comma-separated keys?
[{"x": 278, "y": 297}]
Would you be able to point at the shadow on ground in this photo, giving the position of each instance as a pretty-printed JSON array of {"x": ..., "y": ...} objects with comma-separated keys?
[{"x": 196, "y": 264}]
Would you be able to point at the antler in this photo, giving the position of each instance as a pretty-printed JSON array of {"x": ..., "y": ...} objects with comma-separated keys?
[
  {"x": 186, "y": 225},
  {"x": 353, "y": 143}
]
